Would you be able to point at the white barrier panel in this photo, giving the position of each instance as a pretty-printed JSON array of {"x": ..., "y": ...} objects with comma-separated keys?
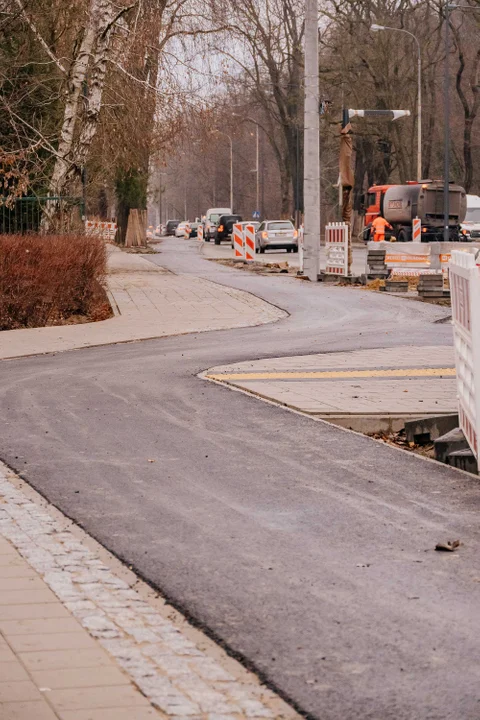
[
  {"x": 105, "y": 230},
  {"x": 200, "y": 232},
  {"x": 249, "y": 243},
  {"x": 465, "y": 294},
  {"x": 336, "y": 248},
  {"x": 238, "y": 246}
]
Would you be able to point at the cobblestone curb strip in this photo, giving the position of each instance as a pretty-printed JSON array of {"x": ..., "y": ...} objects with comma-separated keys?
[{"x": 176, "y": 676}]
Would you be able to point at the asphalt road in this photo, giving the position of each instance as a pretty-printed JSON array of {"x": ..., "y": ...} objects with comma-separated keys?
[{"x": 306, "y": 549}]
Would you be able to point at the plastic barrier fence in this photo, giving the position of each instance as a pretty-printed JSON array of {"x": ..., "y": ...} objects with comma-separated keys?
[
  {"x": 336, "y": 248},
  {"x": 465, "y": 294}
]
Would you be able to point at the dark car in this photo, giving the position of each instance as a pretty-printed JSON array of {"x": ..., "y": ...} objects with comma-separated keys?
[
  {"x": 171, "y": 227},
  {"x": 225, "y": 227},
  {"x": 194, "y": 229}
]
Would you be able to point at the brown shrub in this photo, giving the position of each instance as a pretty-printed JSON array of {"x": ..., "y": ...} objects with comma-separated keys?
[{"x": 50, "y": 279}]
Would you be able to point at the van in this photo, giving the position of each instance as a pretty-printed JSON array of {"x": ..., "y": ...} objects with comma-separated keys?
[{"x": 212, "y": 219}]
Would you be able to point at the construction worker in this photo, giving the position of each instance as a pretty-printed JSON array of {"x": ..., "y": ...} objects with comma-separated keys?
[{"x": 379, "y": 226}]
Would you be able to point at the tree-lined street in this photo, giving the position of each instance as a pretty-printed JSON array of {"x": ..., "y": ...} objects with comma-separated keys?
[{"x": 307, "y": 550}]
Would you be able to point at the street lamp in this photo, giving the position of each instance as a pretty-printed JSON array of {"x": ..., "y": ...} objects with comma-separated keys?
[
  {"x": 219, "y": 132},
  {"x": 376, "y": 28},
  {"x": 257, "y": 152}
]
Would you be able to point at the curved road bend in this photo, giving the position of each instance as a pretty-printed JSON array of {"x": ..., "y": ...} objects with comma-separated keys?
[{"x": 306, "y": 549}]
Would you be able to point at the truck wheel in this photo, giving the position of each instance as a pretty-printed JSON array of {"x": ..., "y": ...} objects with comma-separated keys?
[
  {"x": 217, "y": 241},
  {"x": 402, "y": 236}
]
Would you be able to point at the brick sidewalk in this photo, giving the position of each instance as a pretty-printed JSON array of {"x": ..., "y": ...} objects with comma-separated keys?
[
  {"x": 77, "y": 642},
  {"x": 148, "y": 302}
]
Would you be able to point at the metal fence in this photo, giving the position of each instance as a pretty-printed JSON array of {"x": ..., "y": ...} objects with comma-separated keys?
[{"x": 24, "y": 215}]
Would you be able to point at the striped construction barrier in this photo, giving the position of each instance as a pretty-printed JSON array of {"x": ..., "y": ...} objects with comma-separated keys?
[
  {"x": 238, "y": 246},
  {"x": 200, "y": 232},
  {"x": 187, "y": 231},
  {"x": 249, "y": 233},
  {"x": 336, "y": 248},
  {"x": 417, "y": 230}
]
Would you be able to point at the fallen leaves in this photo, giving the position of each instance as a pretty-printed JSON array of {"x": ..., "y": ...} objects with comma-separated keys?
[{"x": 448, "y": 546}]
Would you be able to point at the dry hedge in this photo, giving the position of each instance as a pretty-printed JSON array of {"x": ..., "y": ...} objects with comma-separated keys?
[{"x": 51, "y": 279}]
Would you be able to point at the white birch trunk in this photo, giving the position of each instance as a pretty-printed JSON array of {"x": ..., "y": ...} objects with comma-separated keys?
[{"x": 93, "y": 49}]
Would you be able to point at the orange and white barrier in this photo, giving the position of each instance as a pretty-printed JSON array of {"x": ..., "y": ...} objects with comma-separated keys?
[
  {"x": 105, "y": 230},
  {"x": 200, "y": 232},
  {"x": 238, "y": 246},
  {"x": 249, "y": 233},
  {"x": 417, "y": 230},
  {"x": 336, "y": 248},
  {"x": 187, "y": 231}
]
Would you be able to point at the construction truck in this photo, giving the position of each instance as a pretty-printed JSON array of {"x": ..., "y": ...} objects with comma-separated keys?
[{"x": 401, "y": 204}]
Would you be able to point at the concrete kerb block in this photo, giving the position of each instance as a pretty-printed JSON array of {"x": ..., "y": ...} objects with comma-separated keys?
[
  {"x": 463, "y": 460},
  {"x": 448, "y": 443},
  {"x": 426, "y": 430}
]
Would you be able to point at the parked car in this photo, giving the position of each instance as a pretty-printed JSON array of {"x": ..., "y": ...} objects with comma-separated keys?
[
  {"x": 276, "y": 234},
  {"x": 171, "y": 227},
  {"x": 255, "y": 224},
  {"x": 212, "y": 218},
  {"x": 225, "y": 227},
  {"x": 194, "y": 229},
  {"x": 180, "y": 229}
]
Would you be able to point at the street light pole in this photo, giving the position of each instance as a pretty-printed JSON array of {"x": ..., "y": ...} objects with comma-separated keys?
[
  {"x": 446, "y": 120},
  {"x": 219, "y": 132},
  {"x": 311, "y": 170},
  {"x": 376, "y": 28},
  {"x": 257, "y": 155}
]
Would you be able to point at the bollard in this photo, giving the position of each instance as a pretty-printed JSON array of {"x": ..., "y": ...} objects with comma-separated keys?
[
  {"x": 200, "y": 232},
  {"x": 187, "y": 231}
]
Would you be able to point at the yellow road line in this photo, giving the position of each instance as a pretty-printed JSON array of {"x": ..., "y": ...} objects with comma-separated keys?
[{"x": 338, "y": 374}]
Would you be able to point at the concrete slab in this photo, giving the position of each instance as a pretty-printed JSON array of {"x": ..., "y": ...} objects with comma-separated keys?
[{"x": 364, "y": 390}]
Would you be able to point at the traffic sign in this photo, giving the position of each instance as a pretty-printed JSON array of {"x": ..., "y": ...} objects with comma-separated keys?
[{"x": 256, "y": 214}]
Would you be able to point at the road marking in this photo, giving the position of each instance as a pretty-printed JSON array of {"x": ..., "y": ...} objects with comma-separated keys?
[{"x": 338, "y": 374}]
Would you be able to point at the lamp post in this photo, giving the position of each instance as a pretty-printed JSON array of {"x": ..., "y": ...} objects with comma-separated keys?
[
  {"x": 219, "y": 132},
  {"x": 376, "y": 28},
  {"x": 257, "y": 155},
  {"x": 311, "y": 165}
]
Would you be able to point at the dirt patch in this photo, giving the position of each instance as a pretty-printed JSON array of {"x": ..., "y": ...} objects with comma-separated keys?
[{"x": 256, "y": 267}]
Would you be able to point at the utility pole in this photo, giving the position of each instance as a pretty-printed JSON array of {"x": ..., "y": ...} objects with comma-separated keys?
[
  {"x": 446, "y": 121},
  {"x": 311, "y": 172}
]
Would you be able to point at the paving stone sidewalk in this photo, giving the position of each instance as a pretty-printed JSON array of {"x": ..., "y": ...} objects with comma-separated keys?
[
  {"x": 77, "y": 642},
  {"x": 354, "y": 388},
  {"x": 148, "y": 302}
]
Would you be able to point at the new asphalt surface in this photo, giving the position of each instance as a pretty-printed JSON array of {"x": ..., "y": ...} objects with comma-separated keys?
[{"x": 305, "y": 549}]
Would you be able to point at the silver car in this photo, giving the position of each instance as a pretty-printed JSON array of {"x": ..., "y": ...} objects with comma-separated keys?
[{"x": 276, "y": 234}]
